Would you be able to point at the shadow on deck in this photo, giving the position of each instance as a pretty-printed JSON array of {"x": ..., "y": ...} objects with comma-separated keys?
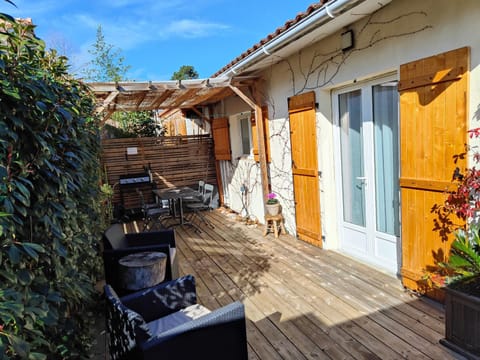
[{"x": 303, "y": 302}]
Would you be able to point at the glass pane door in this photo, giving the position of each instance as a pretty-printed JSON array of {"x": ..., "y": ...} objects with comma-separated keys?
[
  {"x": 385, "y": 118},
  {"x": 351, "y": 143},
  {"x": 368, "y": 171}
]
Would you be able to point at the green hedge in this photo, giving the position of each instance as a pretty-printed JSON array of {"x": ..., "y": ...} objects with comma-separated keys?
[{"x": 49, "y": 150}]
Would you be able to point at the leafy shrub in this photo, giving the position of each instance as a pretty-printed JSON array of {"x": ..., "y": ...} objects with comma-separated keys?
[{"x": 49, "y": 188}]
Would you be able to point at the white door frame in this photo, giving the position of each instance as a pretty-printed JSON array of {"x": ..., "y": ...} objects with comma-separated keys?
[{"x": 375, "y": 244}]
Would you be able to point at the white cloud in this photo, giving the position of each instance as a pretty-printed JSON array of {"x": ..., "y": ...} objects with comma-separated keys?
[
  {"x": 192, "y": 29},
  {"x": 122, "y": 34},
  {"x": 128, "y": 25},
  {"x": 153, "y": 6},
  {"x": 127, "y": 33},
  {"x": 83, "y": 20},
  {"x": 123, "y": 3}
]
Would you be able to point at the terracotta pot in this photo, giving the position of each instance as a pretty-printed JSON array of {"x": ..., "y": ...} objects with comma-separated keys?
[{"x": 273, "y": 209}]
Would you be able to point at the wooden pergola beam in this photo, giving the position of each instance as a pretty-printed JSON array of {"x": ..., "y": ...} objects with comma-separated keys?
[
  {"x": 107, "y": 102},
  {"x": 208, "y": 95},
  {"x": 243, "y": 96},
  {"x": 106, "y": 116},
  {"x": 178, "y": 101},
  {"x": 168, "y": 112},
  {"x": 162, "y": 98},
  {"x": 196, "y": 111},
  {"x": 141, "y": 97}
]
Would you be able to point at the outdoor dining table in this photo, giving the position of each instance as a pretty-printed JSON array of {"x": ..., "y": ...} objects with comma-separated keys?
[{"x": 175, "y": 196}]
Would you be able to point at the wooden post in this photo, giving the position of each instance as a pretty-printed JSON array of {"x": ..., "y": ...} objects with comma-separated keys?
[
  {"x": 221, "y": 196},
  {"x": 218, "y": 171},
  {"x": 262, "y": 156}
]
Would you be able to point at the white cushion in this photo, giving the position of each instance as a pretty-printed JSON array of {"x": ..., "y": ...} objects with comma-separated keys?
[{"x": 177, "y": 318}]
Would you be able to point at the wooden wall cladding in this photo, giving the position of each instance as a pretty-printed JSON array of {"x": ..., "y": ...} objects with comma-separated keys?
[{"x": 174, "y": 161}]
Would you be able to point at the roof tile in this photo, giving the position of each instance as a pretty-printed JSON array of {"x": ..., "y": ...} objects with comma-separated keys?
[{"x": 288, "y": 24}]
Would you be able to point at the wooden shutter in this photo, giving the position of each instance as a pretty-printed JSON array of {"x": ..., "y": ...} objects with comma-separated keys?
[
  {"x": 221, "y": 139},
  {"x": 433, "y": 124},
  {"x": 266, "y": 132},
  {"x": 181, "y": 125},
  {"x": 303, "y": 138}
]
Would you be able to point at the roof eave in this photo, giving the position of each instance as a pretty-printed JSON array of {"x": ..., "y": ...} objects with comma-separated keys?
[{"x": 315, "y": 19}]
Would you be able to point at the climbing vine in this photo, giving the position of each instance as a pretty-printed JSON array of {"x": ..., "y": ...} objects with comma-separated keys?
[
  {"x": 318, "y": 66},
  {"x": 49, "y": 175}
]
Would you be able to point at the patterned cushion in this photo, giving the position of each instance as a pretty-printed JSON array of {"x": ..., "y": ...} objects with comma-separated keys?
[
  {"x": 125, "y": 327},
  {"x": 168, "y": 322},
  {"x": 174, "y": 295}
]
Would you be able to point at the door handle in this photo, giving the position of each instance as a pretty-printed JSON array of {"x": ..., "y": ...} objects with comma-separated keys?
[{"x": 363, "y": 179}]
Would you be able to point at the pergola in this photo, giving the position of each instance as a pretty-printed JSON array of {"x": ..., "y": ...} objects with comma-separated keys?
[{"x": 183, "y": 94}]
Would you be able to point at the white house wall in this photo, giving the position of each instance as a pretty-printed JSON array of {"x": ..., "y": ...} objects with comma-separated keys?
[
  {"x": 242, "y": 172},
  {"x": 403, "y": 31}
]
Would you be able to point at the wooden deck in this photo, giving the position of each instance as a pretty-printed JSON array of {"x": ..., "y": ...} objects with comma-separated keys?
[{"x": 306, "y": 303}]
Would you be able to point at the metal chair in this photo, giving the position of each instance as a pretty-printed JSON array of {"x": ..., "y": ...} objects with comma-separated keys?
[
  {"x": 199, "y": 195},
  {"x": 205, "y": 204},
  {"x": 201, "y": 187},
  {"x": 152, "y": 214}
]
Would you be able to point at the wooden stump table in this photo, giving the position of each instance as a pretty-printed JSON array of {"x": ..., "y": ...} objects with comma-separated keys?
[{"x": 142, "y": 270}]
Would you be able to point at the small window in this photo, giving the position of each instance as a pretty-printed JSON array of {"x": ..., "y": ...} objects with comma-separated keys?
[{"x": 245, "y": 130}]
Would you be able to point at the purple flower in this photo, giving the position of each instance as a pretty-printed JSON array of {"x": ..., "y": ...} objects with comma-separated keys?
[{"x": 272, "y": 199}]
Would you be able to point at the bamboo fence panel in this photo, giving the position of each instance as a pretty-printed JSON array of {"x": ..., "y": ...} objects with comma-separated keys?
[{"x": 174, "y": 161}]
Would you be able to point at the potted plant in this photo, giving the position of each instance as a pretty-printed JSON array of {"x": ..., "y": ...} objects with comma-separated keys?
[
  {"x": 273, "y": 205},
  {"x": 462, "y": 293},
  {"x": 460, "y": 274}
]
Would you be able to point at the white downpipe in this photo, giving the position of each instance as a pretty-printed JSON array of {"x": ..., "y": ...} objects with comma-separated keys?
[{"x": 325, "y": 13}]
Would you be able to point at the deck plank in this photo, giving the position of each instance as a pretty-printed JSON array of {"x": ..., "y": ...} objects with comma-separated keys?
[
  {"x": 279, "y": 291},
  {"x": 200, "y": 265},
  {"x": 384, "y": 350},
  {"x": 303, "y": 302},
  {"x": 343, "y": 314}
]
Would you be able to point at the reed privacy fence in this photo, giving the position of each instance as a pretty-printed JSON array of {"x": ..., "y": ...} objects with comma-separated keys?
[{"x": 172, "y": 161}]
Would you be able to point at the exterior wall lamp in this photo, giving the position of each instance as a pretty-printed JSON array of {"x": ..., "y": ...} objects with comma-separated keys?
[{"x": 347, "y": 40}]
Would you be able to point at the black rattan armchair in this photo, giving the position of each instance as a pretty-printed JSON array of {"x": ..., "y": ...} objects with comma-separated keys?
[
  {"x": 117, "y": 244},
  {"x": 165, "y": 322}
]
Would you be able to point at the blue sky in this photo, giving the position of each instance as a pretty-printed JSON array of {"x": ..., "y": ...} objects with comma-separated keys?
[{"x": 156, "y": 37}]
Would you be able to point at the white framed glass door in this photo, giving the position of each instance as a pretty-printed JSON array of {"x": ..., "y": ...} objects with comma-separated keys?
[{"x": 367, "y": 158}]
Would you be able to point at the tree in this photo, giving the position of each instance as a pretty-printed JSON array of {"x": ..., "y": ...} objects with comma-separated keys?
[
  {"x": 107, "y": 63},
  {"x": 184, "y": 73},
  {"x": 140, "y": 124}
]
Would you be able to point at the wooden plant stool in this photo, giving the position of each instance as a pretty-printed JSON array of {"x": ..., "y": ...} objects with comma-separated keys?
[{"x": 274, "y": 223}]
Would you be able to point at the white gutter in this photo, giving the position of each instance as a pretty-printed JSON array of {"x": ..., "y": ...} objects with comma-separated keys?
[{"x": 319, "y": 17}]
